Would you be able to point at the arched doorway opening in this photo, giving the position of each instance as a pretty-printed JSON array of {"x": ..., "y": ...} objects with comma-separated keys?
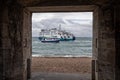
[{"x": 88, "y": 8}]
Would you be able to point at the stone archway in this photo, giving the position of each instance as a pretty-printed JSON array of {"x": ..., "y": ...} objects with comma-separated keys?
[
  {"x": 103, "y": 41},
  {"x": 88, "y": 8},
  {"x": 15, "y": 42}
]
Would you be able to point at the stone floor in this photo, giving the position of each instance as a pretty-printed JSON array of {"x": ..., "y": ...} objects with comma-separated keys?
[{"x": 60, "y": 76}]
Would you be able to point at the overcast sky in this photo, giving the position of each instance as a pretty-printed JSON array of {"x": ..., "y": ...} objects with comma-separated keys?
[{"x": 78, "y": 23}]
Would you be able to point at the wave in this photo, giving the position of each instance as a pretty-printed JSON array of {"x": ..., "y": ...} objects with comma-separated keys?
[{"x": 37, "y": 55}]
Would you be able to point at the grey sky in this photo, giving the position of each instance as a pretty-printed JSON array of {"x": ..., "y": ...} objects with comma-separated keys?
[{"x": 78, "y": 23}]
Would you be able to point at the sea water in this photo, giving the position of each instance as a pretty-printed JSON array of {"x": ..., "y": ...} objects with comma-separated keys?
[{"x": 81, "y": 47}]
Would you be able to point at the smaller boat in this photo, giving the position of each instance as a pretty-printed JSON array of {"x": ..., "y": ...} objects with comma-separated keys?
[{"x": 50, "y": 40}]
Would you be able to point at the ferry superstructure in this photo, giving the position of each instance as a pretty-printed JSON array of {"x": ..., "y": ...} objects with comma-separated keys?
[{"x": 62, "y": 35}]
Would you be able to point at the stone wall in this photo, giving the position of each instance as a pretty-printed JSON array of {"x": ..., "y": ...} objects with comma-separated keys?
[
  {"x": 11, "y": 47},
  {"x": 117, "y": 24},
  {"x": 27, "y": 42},
  {"x": 15, "y": 37},
  {"x": 106, "y": 44}
]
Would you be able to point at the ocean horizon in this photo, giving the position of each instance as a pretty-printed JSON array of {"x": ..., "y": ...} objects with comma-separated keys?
[{"x": 81, "y": 47}]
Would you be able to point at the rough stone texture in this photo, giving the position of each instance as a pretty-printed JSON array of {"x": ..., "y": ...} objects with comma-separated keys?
[
  {"x": 15, "y": 37},
  {"x": 63, "y": 2},
  {"x": 11, "y": 42},
  {"x": 106, "y": 52},
  {"x": 117, "y": 24},
  {"x": 27, "y": 42}
]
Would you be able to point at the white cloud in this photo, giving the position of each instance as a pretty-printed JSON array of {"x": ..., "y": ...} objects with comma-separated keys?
[
  {"x": 63, "y": 15},
  {"x": 39, "y": 16},
  {"x": 79, "y": 23}
]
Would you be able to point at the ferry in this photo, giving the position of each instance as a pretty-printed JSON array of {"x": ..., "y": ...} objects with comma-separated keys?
[{"x": 55, "y": 33}]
